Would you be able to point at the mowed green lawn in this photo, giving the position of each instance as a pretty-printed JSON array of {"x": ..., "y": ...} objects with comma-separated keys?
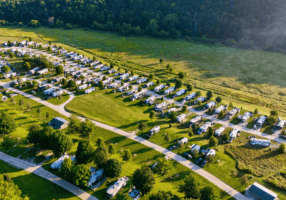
[
  {"x": 24, "y": 119},
  {"x": 34, "y": 186},
  {"x": 142, "y": 156}
]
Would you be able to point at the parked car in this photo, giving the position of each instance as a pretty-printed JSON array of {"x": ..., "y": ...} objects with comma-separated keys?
[
  {"x": 187, "y": 155},
  {"x": 199, "y": 160},
  {"x": 147, "y": 136},
  {"x": 204, "y": 163},
  {"x": 33, "y": 92},
  {"x": 173, "y": 147}
]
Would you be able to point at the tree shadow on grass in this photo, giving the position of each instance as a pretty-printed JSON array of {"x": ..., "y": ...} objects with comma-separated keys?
[
  {"x": 21, "y": 118},
  {"x": 176, "y": 176},
  {"x": 117, "y": 139}
]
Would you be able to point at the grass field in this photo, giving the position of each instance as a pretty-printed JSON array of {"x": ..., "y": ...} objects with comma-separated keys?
[
  {"x": 24, "y": 119},
  {"x": 234, "y": 74},
  {"x": 34, "y": 186},
  {"x": 144, "y": 155}
]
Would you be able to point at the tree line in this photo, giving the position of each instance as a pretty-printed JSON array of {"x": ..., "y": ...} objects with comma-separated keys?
[{"x": 168, "y": 18}]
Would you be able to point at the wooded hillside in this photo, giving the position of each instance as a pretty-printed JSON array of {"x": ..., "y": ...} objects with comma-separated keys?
[{"x": 159, "y": 18}]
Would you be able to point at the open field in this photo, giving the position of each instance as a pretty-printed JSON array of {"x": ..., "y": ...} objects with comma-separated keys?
[
  {"x": 239, "y": 74},
  {"x": 33, "y": 186},
  {"x": 144, "y": 155}
]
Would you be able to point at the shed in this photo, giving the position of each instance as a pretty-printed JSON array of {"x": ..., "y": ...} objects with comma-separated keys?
[
  {"x": 58, "y": 123},
  {"x": 259, "y": 192}
]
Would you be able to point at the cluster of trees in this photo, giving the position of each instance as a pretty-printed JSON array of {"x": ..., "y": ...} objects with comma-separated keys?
[
  {"x": 168, "y": 18},
  {"x": 40, "y": 61},
  {"x": 7, "y": 123},
  {"x": 193, "y": 188},
  {"x": 47, "y": 138},
  {"x": 9, "y": 190}
]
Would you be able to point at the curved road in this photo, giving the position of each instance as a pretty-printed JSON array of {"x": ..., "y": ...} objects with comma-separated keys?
[{"x": 237, "y": 195}]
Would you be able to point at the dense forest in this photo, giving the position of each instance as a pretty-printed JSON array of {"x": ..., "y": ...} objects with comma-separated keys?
[{"x": 219, "y": 19}]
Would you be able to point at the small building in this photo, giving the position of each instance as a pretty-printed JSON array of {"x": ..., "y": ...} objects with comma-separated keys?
[
  {"x": 280, "y": 124},
  {"x": 116, "y": 186},
  {"x": 183, "y": 141},
  {"x": 181, "y": 92},
  {"x": 219, "y": 131},
  {"x": 4, "y": 98},
  {"x": 134, "y": 194},
  {"x": 210, "y": 152},
  {"x": 105, "y": 68},
  {"x": 190, "y": 96},
  {"x": 112, "y": 71},
  {"x": 181, "y": 118},
  {"x": 154, "y": 130},
  {"x": 58, "y": 123},
  {"x": 169, "y": 90},
  {"x": 259, "y": 192},
  {"x": 58, "y": 163},
  {"x": 195, "y": 147},
  {"x": 260, "y": 142}
]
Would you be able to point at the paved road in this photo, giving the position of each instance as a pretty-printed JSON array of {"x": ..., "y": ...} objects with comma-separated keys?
[
  {"x": 180, "y": 159},
  {"x": 40, "y": 171}
]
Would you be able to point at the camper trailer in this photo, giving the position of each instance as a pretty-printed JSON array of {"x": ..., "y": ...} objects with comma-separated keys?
[
  {"x": 123, "y": 88},
  {"x": 180, "y": 92},
  {"x": 142, "y": 80},
  {"x": 219, "y": 131},
  {"x": 133, "y": 78},
  {"x": 233, "y": 134},
  {"x": 162, "y": 106},
  {"x": 261, "y": 120},
  {"x": 190, "y": 96},
  {"x": 195, "y": 120},
  {"x": 160, "y": 87},
  {"x": 138, "y": 95},
  {"x": 181, "y": 118},
  {"x": 169, "y": 90},
  {"x": 149, "y": 84},
  {"x": 154, "y": 130},
  {"x": 150, "y": 100},
  {"x": 220, "y": 108},
  {"x": 124, "y": 76},
  {"x": 210, "y": 104},
  {"x": 204, "y": 128},
  {"x": 202, "y": 99},
  {"x": 90, "y": 90},
  {"x": 115, "y": 187}
]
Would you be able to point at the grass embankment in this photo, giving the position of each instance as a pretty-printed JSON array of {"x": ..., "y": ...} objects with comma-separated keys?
[{"x": 34, "y": 186}]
